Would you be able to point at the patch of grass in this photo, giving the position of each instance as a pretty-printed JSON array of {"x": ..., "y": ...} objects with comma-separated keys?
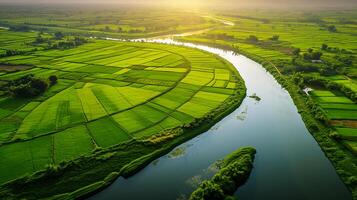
[{"x": 107, "y": 133}]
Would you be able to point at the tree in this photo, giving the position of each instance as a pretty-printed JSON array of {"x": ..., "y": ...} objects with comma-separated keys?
[
  {"x": 324, "y": 47},
  {"x": 332, "y": 28},
  {"x": 253, "y": 39},
  {"x": 296, "y": 52},
  {"x": 53, "y": 79},
  {"x": 316, "y": 55},
  {"x": 58, "y": 35},
  {"x": 19, "y": 28},
  {"x": 275, "y": 38}
]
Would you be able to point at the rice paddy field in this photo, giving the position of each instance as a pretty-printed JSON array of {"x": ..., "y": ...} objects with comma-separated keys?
[
  {"x": 108, "y": 93},
  {"x": 119, "y": 22},
  {"x": 342, "y": 113}
]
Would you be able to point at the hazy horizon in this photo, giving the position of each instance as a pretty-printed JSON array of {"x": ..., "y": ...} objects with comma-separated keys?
[{"x": 200, "y": 3}]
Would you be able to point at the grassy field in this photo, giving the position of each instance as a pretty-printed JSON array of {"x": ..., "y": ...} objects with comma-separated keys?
[
  {"x": 119, "y": 22},
  {"x": 108, "y": 93}
]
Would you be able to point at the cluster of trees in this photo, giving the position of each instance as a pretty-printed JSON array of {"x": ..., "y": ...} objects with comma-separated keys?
[
  {"x": 28, "y": 86},
  {"x": 220, "y": 36},
  {"x": 311, "y": 61},
  {"x": 121, "y": 30},
  {"x": 231, "y": 175},
  {"x": 325, "y": 47},
  {"x": 69, "y": 43},
  {"x": 12, "y": 52},
  {"x": 312, "y": 55},
  {"x": 19, "y": 28},
  {"x": 59, "y": 41}
]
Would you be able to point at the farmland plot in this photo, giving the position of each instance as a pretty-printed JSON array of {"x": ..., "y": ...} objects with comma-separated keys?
[
  {"x": 108, "y": 93},
  {"x": 341, "y": 111}
]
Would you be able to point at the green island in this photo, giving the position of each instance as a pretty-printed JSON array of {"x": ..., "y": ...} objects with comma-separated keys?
[{"x": 234, "y": 170}]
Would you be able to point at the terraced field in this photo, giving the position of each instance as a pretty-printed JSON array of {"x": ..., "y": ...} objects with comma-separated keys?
[
  {"x": 108, "y": 93},
  {"x": 342, "y": 113}
]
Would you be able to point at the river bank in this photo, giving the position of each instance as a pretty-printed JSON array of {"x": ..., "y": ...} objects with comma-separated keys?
[{"x": 320, "y": 131}]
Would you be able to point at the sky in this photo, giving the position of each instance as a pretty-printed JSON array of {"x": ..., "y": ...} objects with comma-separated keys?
[{"x": 202, "y": 3}]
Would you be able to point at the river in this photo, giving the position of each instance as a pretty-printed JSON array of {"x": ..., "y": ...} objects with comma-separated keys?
[{"x": 289, "y": 163}]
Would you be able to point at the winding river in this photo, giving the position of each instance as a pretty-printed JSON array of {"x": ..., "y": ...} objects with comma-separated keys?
[{"x": 289, "y": 163}]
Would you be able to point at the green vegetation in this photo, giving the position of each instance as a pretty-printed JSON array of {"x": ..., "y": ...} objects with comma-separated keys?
[
  {"x": 305, "y": 49},
  {"x": 111, "y": 107},
  {"x": 233, "y": 171},
  {"x": 27, "y": 86},
  {"x": 125, "y": 22}
]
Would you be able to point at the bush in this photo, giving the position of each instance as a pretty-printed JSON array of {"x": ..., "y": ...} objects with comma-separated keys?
[
  {"x": 19, "y": 28},
  {"x": 296, "y": 52},
  {"x": 253, "y": 39},
  {"x": 332, "y": 28},
  {"x": 311, "y": 55},
  {"x": 58, "y": 35},
  {"x": 208, "y": 190},
  {"x": 275, "y": 38},
  {"x": 53, "y": 79}
]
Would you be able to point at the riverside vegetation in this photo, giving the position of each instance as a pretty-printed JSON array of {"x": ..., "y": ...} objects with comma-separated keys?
[{"x": 313, "y": 55}]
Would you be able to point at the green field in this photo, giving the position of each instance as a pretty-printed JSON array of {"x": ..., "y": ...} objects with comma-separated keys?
[
  {"x": 340, "y": 110},
  {"x": 108, "y": 93},
  {"x": 126, "y": 22}
]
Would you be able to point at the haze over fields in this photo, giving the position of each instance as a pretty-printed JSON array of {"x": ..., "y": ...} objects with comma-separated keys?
[{"x": 202, "y": 3}]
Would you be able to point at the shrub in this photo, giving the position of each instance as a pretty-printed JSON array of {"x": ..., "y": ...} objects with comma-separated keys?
[
  {"x": 53, "y": 79},
  {"x": 208, "y": 190},
  {"x": 296, "y": 52},
  {"x": 275, "y": 38},
  {"x": 335, "y": 136},
  {"x": 58, "y": 35},
  {"x": 19, "y": 28},
  {"x": 332, "y": 28},
  {"x": 253, "y": 39}
]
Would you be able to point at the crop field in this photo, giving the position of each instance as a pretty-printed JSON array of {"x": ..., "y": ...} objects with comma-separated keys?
[
  {"x": 107, "y": 93},
  {"x": 119, "y": 22},
  {"x": 340, "y": 110}
]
